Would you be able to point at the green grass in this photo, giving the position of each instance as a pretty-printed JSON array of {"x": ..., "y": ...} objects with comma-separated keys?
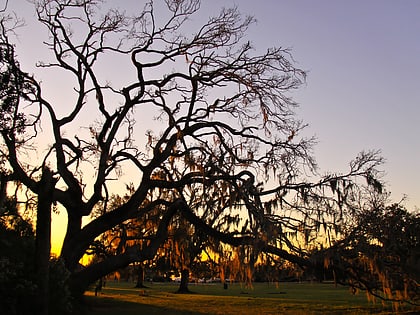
[{"x": 286, "y": 298}]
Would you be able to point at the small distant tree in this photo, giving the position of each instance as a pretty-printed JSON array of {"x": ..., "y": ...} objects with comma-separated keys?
[
  {"x": 180, "y": 250},
  {"x": 273, "y": 270},
  {"x": 204, "y": 270}
]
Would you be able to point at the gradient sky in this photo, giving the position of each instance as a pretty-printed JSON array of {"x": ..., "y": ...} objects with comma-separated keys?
[
  {"x": 363, "y": 63},
  {"x": 363, "y": 86}
]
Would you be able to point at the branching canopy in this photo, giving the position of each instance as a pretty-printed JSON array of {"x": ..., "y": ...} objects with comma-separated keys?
[{"x": 225, "y": 152}]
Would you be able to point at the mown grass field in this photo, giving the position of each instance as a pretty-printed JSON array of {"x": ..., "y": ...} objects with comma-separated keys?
[{"x": 211, "y": 299}]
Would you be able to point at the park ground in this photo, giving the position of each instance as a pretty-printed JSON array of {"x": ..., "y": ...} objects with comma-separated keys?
[{"x": 211, "y": 299}]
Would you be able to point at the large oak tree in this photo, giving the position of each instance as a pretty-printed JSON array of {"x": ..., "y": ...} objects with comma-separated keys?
[{"x": 225, "y": 152}]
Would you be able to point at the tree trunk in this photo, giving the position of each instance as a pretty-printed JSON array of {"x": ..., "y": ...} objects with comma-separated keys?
[
  {"x": 183, "y": 287},
  {"x": 140, "y": 276},
  {"x": 3, "y": 192},
  {"x": 74, "y": 225},
  {"x": 43, "y": 240}
]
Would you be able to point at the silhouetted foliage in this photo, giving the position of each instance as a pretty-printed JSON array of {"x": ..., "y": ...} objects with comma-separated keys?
[
  {"x": 16, "y": 259},
  {"x": 18, "y": 283},
  {"x": 380, "y": 254}
]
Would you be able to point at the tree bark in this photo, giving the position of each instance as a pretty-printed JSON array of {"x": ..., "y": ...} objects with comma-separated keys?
[{"x": 43, "y": 240}]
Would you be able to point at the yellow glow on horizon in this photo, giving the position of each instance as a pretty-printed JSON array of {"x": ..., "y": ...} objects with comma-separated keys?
[{"x": 58, "y": 231}]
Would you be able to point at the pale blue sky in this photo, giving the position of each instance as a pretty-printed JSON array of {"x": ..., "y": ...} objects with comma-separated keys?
[{"x": 363, "y": 62}]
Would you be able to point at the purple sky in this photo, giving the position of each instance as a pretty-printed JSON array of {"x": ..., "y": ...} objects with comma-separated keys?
[
  {"x": 363, "y": 62},
  {"x": 363, "y": 87}
]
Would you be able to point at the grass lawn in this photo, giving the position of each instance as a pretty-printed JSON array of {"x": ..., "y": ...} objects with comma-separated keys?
[{"x": 286, "y": 298}]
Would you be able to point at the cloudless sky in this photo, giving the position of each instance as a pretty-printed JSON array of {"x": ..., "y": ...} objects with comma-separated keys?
[{"x": 363, "y": 85}]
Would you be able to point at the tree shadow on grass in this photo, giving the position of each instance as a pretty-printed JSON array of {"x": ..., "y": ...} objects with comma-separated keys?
[{"x": 111, "y": 306}]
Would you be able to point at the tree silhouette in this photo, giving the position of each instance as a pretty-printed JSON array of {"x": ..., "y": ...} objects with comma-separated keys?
[
  {"x": 380, "y": 254},
  {"x": 225, "y": 153},
  {"x": 19, "y": 277}
]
